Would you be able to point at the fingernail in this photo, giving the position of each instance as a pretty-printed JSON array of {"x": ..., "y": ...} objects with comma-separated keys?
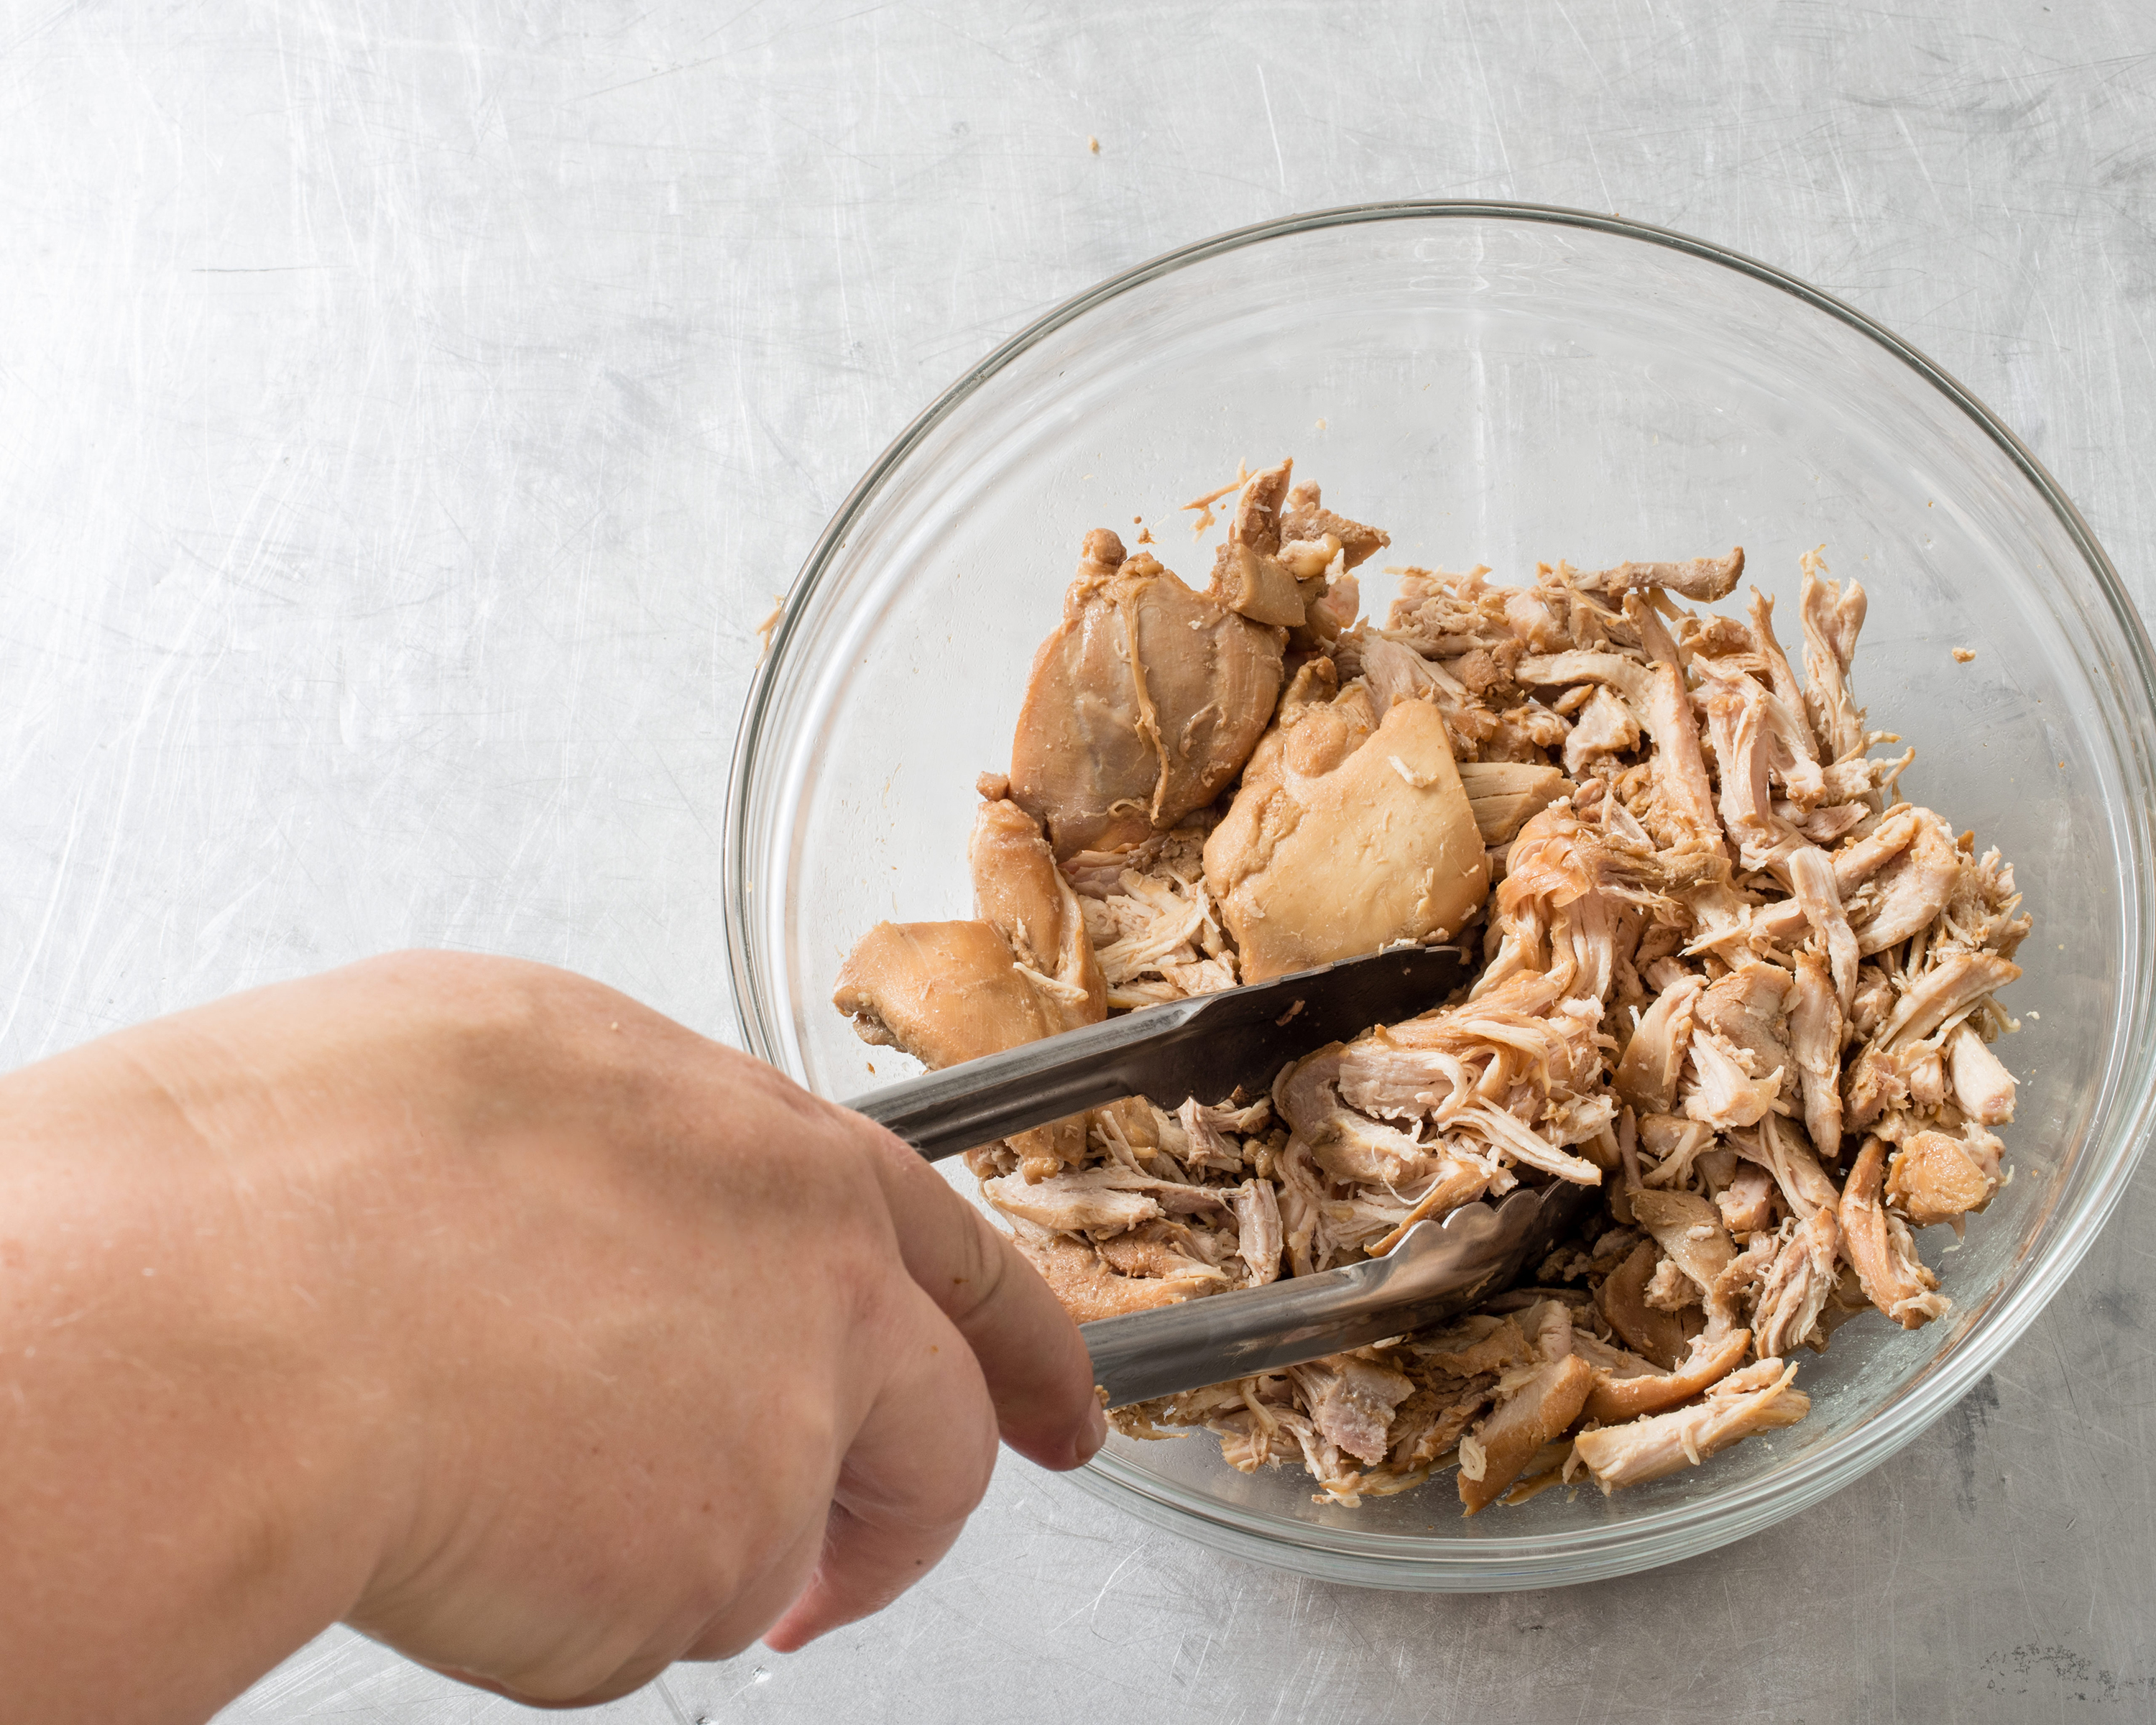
[{"x": 1095, "y": 1434}]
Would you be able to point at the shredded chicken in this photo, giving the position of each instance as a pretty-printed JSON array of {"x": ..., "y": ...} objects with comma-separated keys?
[{"x": 1730, "y": 980}]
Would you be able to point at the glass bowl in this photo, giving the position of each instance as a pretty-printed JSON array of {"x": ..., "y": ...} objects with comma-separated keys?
[{"x": 1501, "y": 384}]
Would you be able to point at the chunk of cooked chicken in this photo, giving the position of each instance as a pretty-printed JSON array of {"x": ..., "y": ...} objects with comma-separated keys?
[
  {"x": 1803, "y": 1182},
  {"x": 1745, "y": 1009},
  {"x": 1911, "y": 891},
  {"x": 1719, "y": 1091},
  {"x": 1351, "y": 1402},
  {"x": 1142, "y": 706},
  {"x": 1658, "y": 1335},
  {"x": 1811, "y": 877},
  {"x": 1106, "y": 1198},
  {"x": 948, "y": 991},
  {"x": 1309, "y": 867},
  {"x": 1695, "y": 578},
  {"x": 1831, "y": 618},
  {"x": 1797, "y": 1287},
  {"x": 1604, "y": 726},
  {"x": 1540, "y": 1410},
  {"x": 1933, "y": 1177},
  {"x": 1738, "y": 721},
  {"x": 1646, "y": 1077},
  {"x": 1743, "y": 1404},
  {"x": 1618, "y": 1396},
  {"x": 1879, "y": 1075},
  {"x": 1304, "y": 522},
  {"x": 1746, "y": 1203},
  {"x": 1815, "y": 1026},
  {"x": 1089, "y": 1289},
  {"x": 1689, "y": 1230},
  {"x": 1505, "y": 795},
  {"x": 1248, "y": 575},
  {"x": 941, "y": 992},
  {"x": 1877, "y": 1244},
  {"x": 1020, "y": 892},
  {"x": 1984, "y": 1089},
  {"x": 1657, "y": 697},
  {"x": 1259, "y": 1238}
]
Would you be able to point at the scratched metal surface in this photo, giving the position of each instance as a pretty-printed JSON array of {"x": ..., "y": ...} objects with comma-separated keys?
[{"x": 407, "y": 412}]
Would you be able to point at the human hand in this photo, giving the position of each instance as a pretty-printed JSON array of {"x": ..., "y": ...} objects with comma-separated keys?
[{"x": 482, "y": 1307}]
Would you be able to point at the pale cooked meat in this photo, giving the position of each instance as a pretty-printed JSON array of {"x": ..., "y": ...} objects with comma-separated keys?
[
  {"x": 1796, "y": 762},
  {"x": 1815, "y": 1026},
  {"x": 941, "y": 992},
  {"x": 1610, "y": 670},
  {"x": 1745, "y": 1009},
  {"x": 1804, "y": 1184},
  {"x": 1646, "y": 1077},
  {"x": 1878, "y": 1244},
  {"x": 1736, "y": 720},
  {"x": 1911, "y": 891},
  {"x": 1440, "y": 1067},
  {"x": 1747, "y": 1204},
  {"x": 1811, "y": 878},
  {"x": 1681, "y": 780},
  {"x": 1831, "y": 618},
  {"x": 1020, "y": 893},
  {"x": 1879, "y": 1075},
  {"x": 1156, "y": 934},
  {"x": 1539, "y": 1411},
  {"x": 1208, "y": 1127},
  {"x": 1676, "y": 1145},
  {"x": 1381, "y": 848},
  {"x": 1248, "y": 577},
  {"x": 1258, "y": 1235},
  {"x": 1617, "y": 1397},
  {"x": 1089, "y": 1289},
  {"x": 1515, "y": 1046},
  {"x": 1797, "y": 1287},
  {"x": 1351, "y": 1403},
  {"x": 1304, "y": 522},
  {"x": 948, "y": 991},
  {"x": 1456, "y": 1182},
  {"x": 1083, "y": 1201},
  {"x": 1933, "y": 1178},
  {"x": 1160, "y": 1248},
  {"x": 1142, "y": 706},
  {"x": 1604, "y": 726},
  {"x": 1720, "y": 1092},
  {"x": 1572, "y": 891},
  {"x": 1695, "y": 578},
  {"x": 1689, "y": 1230},
  {"x": 1505, "y": 795},
  {"x": 1984, "y": 1089},
  {"x": 1657, "y": 697},
  {"x": 1743, "y": 1404},
  {"x": 1395, "y": 672},
  {"x": 1957, "y": 982},
  {"x": 1854, "y": 863},
  {"x": 1658, "y": 1335},
  {"x": 1352, "y": 1148}
]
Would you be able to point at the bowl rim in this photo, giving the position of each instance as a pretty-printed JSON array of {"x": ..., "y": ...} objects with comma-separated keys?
[{"x": 1593, "y": 1548}]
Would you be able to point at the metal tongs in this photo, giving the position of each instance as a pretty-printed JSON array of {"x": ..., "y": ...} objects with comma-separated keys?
[{"x": 1210, "y": 1047}]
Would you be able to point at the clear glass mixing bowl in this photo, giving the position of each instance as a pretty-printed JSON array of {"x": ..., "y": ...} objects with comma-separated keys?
[{"x": 1499, "y": 384}]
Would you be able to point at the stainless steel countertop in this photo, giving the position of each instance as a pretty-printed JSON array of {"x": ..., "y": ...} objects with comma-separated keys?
[{"x": 408, "y": 411}]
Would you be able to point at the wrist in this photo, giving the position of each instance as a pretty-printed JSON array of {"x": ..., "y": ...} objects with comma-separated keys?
[{"x": 169, "y": 1345}]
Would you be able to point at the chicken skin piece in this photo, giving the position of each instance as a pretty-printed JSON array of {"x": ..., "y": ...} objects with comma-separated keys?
[
  {"x": 1142, "y": 706},
  {"x": 1383, "y": 846}
]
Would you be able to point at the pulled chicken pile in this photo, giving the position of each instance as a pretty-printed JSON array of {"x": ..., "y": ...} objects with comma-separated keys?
[{"x": 1731, "y": 977}]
